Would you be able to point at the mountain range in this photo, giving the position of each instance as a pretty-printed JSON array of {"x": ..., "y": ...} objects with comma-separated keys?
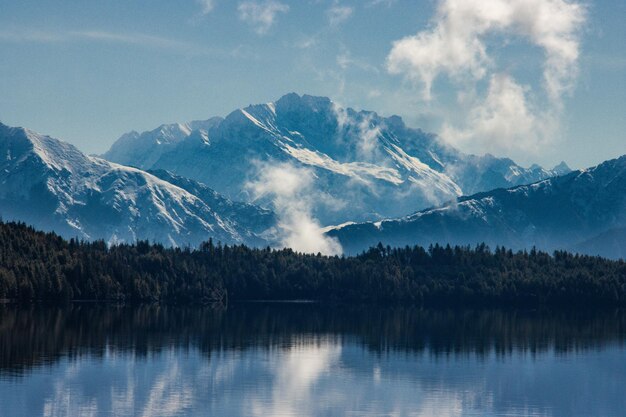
[
  {"x": 53, "y": 186},
  {"x": 183, "y": 183},
  {"x": 584, "y": 211},
  {"x": 364, "y": 166}
]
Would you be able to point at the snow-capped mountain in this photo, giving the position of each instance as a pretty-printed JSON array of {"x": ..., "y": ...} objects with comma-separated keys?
[
  {"x": 144, "y": 149},
  {"x": 579, "y": 211},
  {"x": 366, "y": 167},
  {"x": 250, "y": 219},
  {"x": 53, "y": 186}
]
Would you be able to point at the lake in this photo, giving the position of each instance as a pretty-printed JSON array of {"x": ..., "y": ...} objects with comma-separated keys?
[{"x": 306, "y": 359}]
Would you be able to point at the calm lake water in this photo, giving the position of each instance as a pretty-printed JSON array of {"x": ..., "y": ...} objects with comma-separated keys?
[{"x": 309, "y": 360}]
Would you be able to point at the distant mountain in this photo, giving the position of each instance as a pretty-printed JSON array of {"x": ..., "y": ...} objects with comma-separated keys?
[
  {"x": 144, "y": 149},
  {"x": 583, "y": 210},
  {"x": 366, "y": 167},
  {"x": 611, "y": 244},
  {"x": 53, "y": 186}
]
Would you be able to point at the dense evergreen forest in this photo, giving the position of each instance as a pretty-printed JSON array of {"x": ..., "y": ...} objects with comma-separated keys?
[{"x": 42, "y": 266}]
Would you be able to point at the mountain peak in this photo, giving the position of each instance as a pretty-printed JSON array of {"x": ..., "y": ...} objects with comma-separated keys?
[
  {"x": 562, "y": 168},
  {"x": 613, "y": 167},
  {"x": 293, "y": 102},
  {"x": 369, "y": 166},
  {"x": 174, "y": 132},
  {"x": 54, "y": 186},
  {"x": 17, "y": 143}
]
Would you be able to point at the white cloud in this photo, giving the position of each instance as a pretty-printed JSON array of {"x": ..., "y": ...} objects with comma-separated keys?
[
  {"x": 374, "y": 3},
  {"x": 33, "y": 35},
  {"x": 338, "y": 14},
  {"x": 369, "y": 135},
  {"x": 261, "y": 14},
  {"x": 134, "y": 39},
  {"x": 207, "y": 6},
  {"x": 345, "y": 60},
  {"x": 503, "y": 121},
  {"x": 306, "y": 42},
  {"x": 456, "y": 45},
  {"x": 291, "y": 190}
]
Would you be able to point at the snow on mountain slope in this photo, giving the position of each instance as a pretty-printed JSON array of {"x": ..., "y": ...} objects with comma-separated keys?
[
  {"x": 53, "y": 186},
  {"x": 554, "y": 213},
  {"x": 367, "y": 167},
  {"x": 143, "y": 150},
  {"x": 252, "y": 220}
]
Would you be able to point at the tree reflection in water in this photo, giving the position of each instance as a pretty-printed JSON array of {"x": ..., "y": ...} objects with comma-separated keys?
[{"x": 36, "y": 335}]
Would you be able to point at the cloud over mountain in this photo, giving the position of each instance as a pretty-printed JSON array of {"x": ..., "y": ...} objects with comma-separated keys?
[
  {"x": 457, "y": 45},
  {"x": 291, "y": 190}
]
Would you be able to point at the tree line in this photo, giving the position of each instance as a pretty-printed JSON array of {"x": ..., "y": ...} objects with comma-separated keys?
[{"x": 43, "y": 266}]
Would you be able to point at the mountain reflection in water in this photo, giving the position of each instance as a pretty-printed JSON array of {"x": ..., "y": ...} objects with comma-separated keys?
[{"x": 309, "y": 360}]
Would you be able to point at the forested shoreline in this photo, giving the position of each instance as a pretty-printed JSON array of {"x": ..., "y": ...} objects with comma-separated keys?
[{"x": 38, "y": 266}]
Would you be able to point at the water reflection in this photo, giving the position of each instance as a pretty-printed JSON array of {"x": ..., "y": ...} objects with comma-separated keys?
[{"x": 309, "y": 360}]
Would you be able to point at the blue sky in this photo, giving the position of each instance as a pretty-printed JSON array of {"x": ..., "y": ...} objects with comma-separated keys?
[{"x": 538, "y": 80}]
